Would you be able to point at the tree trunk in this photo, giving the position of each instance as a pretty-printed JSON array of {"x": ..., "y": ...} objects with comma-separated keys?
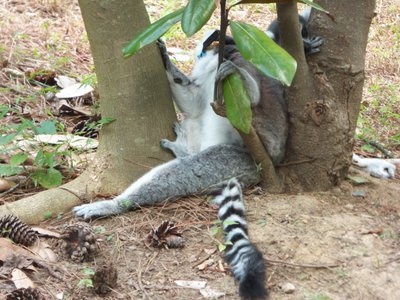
[
  {"x": 323, "y": 117},
  {"x": 135, "y": 91}
]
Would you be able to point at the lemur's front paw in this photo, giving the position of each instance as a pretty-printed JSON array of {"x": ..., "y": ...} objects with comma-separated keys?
[
  {"x": 163, "y": 52},
  {"x": 226, "y": 68}
]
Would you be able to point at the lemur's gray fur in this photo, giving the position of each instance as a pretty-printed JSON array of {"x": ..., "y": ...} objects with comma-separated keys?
[
  {"x": 182, "y": 176},
  {"x": 208, "y": 148},
  {"x": 193, "y": 95}
]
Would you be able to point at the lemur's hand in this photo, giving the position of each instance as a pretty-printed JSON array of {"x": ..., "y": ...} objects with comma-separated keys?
[
  {"x": 163, "y": 52},
  {"x": 225, "y": 69}
]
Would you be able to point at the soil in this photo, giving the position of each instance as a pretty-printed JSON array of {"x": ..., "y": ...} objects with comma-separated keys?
[
  {"x": 339, "y": 244},
  {"x": 330, "y": 245}
]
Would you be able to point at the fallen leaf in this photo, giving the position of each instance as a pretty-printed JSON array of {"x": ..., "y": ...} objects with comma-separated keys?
[
  {"x": 74, "y": 90},
  {"x": 44, "y": 250},
  {"x": 358, "y": 193},
  {"x": 357, "y": 180},
  {"x": 20, "y": 279},
  {"x": 210, "y": 293},
  {"x": 74, "y": 141},
  {"x": 65, "y": 81},
  {"x": 6, "y": 247},
  {"x": 205, "y": 264},
  {"x": 191, "y": 284}
]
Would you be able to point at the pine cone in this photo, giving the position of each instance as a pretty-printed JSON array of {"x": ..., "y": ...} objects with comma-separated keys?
[
  {"x": 79, "y": 242},
  {"x": 13, "y": 228},
  {"x": 105, "y": 279},
  {"x": 165, "y": 235},
  {"x": 25, "y": 294}
]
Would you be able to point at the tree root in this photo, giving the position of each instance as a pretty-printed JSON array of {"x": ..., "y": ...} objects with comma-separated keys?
[{"x": 34, "y": 209}]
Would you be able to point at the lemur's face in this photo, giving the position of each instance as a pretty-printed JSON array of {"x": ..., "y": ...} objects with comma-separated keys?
[{"x": 210, "y": 42}]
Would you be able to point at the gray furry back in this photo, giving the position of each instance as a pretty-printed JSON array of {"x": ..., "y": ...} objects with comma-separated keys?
[{"x": 180, "y": 177}]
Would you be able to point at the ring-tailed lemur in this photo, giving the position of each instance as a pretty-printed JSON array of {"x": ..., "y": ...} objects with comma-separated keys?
[
  {"x": 208, "y": 148},
  {"x": 245, "y": 260}
]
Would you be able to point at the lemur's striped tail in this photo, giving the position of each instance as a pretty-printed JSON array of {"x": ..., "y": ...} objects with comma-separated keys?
[{"x": 246, "y": 261}]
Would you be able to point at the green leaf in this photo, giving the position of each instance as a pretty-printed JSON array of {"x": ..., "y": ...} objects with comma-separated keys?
[
  {"x": 47, "y": 127},
  {"x": 87, "y": 271},
  {"x": 237, "y": 103},
  {"x": 228, "y": 222},
  {"x": 5, "y": 139},
  {"x": 221, "y": 247},
  {"x": 48, "y": 178},
  {"x": 314, "y": 5},
  {"x": 196, "y": 14},
  {"x": 152, "y": 32},
  {"x": 9, "y": 170},
  {"x": 103, "y": 121},
  {"x": 357, "y": 180},
  {"x": 215, "y": 230},
  {"x": 18, "y": 159},
  {"x": 86, "y": 282},
  {"x": 268, "y": 57},
  {"x": 47, "y": 215}
]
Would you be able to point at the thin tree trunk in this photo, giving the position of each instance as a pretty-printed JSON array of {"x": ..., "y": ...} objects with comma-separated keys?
[
  {"x": 135, "y": 92},
  {"x": 323, "y": 118}
]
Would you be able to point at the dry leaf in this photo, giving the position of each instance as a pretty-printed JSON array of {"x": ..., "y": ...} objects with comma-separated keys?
[
  {"x": 6, "y": 247},
  {"x": 191, "y": 284},
  {"x": 43, "y": 250},
  {"x": 75, "y": 90},
  {"x": 20, "y": 279},
  {"x": 205, "y": 264},
  {"x": 210, "y": 293}
]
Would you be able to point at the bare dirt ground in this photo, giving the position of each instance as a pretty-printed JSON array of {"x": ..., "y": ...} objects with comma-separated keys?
[{"x": 340, "y": 244}]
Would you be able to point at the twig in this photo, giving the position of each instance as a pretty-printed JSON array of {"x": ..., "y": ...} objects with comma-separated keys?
[
  {"x": 72, "y": 192},
  {"x": 297, "y": 162},
  {"x": 294, "y": 265},
  {"x": 11, "y": 189},
  {"x": 47, "y": 268},
  {"x": 204, "y": 259},
  {"x": 379, "y": 147}
]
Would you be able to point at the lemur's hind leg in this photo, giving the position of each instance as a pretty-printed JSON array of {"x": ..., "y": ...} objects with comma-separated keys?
[{"x": 179, "y": 146}]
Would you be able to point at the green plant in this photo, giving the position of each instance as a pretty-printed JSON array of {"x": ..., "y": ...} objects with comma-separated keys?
[
  {"x": 86, "y": 282},
  {"x": 253, "y": 44},
  {"x": 217, "y": 230},
  {"x": 47, "y": 158}
]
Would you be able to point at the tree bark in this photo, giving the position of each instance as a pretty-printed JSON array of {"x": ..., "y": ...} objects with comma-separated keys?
[
  {"x": 135, "y": 92},
  {"x": 324, "y": 103}
]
